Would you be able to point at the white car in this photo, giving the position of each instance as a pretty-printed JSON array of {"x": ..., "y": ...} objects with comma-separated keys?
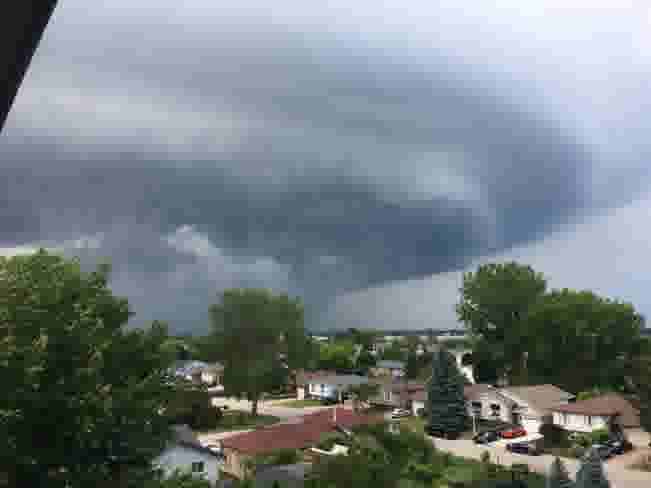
[{"x": 397, "y": 413}]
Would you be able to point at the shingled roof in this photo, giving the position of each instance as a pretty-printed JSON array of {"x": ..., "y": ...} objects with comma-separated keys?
[
  {"x": 610, "y": 404},
  {"x": 299, "y": 434},
  {"x": 540, "y": 397}
]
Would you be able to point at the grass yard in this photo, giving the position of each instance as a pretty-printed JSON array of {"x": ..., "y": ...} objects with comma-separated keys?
[
  {"x": 414, "y": 423},
  {"x": 239, "y": 420},
  {"x": 309, "y": 402}
]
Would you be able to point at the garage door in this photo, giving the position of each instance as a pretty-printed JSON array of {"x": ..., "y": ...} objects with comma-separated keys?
[{"x": 532, "y": 426}]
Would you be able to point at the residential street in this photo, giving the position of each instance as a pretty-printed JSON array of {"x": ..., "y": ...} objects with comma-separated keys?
[{"x": 619, "y": 476}]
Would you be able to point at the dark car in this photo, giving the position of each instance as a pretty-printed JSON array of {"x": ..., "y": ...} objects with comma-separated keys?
[
  {"x": 440, "y": 433},
  {"x": 486, "y": 437},
  {"x": 329, "y": 401},
  {"x": 619, "y": 446},
  {"x": 604, "y": 451},
  {"x": 523, "y": 448}
]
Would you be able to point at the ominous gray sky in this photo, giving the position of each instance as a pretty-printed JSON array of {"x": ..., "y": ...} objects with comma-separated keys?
[{"x": 328, "y": 149}]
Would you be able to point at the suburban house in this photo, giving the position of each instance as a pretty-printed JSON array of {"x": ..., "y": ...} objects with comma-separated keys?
[
  {"x": 189, "y": 370},
  {"x": 395, "y": 369},
  {"x": 597, "y": 413},
  {"x": 301, "y": 433},
  {"x": 323, "y": 384},
  {"x": 185, "y": 453},
  {"x": 212, "y": 374},
  {"x": 528, "y": 406},
  {"x": 398, "y": 393}
]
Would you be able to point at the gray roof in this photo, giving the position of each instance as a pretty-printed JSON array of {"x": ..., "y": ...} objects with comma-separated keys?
[
  {"x": 341, "y": 380},
  {"x": 540, "y": 397},
  {"x": 184, "y": 436},
  {"x": 188, "y": 367},
  {"x": 390, "y": 364},
  {"x": 288, "y": 476}
]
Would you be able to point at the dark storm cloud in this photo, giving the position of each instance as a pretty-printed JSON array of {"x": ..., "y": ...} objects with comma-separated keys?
[{"x": 346, "y": 166}]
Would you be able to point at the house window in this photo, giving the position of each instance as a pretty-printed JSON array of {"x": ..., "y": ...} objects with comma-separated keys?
[
  {"x": 387, "y": 396},
  {"x": 198, "y": 467},
  {"x": 565, "y": 418},
  {"x": 495, "y": 409},
  {"x": 589, "y": 420}
]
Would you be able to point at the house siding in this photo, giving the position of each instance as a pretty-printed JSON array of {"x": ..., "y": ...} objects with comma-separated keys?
[
  {"x": 579, "y": 422},
  {"x": 181, "y": 458}
]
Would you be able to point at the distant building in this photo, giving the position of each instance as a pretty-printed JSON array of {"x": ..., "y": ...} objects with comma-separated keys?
[{"x": 185, "y": 453}]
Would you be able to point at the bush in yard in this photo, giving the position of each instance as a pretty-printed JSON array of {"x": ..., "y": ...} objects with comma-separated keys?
[
  {"x": 554, "y": 436},
  {"x": 558, "y": 475},
  {"x": 591, "y": 473},
  {"x": 446, "y": 404},
  {"x": 599, "y": 436}
]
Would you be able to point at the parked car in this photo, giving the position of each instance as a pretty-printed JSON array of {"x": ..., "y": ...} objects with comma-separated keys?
[
  {"x": 329, "y": 401},
  {"x": 439, "y": 433},
  {"x": 619, "y": 446},
  {"x": 604, "y": 451},
  {"x": 486, "y": 437},
  {"x": 524, "y": 448},
  {"x": 513, "y": 432},
  {"x": 398, "y": 413}
]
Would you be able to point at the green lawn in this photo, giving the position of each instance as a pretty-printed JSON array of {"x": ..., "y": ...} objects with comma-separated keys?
[
  {"x": 415, "y": 423},
  {"x": 240, "y": 420},
  {"x": 311, "y": 402}
]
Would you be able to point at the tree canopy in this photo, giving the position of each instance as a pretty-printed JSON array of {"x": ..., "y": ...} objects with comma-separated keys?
[
  {"x": 446, "y": 404},
  {"x": 82, "y": 395},
  {"x": 495, "y": 304},
  {"x": 517, "y": 325},
  {"x": 255, "y": 331}
]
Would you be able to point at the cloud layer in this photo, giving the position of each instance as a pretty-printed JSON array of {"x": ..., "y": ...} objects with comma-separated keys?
[{"x": 317, "y": 150}]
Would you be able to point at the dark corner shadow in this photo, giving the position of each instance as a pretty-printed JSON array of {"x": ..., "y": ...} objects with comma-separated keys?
[{"x": 21, "y": 27}]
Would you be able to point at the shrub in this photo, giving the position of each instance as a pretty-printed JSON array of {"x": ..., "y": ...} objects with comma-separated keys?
[
  {"x": 554, "y": 435},
  {"x": 285, "y": 456},
  {"x": 599, "y": 436},
  {"x": 485, "y": 457}
]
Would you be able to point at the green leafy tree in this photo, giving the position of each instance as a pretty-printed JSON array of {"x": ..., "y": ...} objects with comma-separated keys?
[
  {"x": 82, "y": 395},
  {"x": 192, "y": 405},
  {"x": 255, "y": 330},
  {"x": 445, "y": 399},
  {"x": 363, "y": 393},
  {"x": 591, "y": 473},
  {"x": 495, "y": 304},
  {"x": 393, "y": 352},
  {"x": 336, "y": 356},
  {"x": 412, "y": 366},
  {"x": 365, "y": 361},
  {"x": 558, "y": 475},
  {"x": 596, "y": 335},
  {"x": 178, "y": 479}
]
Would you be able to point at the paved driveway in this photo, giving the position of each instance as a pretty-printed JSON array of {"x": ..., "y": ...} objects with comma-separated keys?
[{"x": 619, "y": 476}]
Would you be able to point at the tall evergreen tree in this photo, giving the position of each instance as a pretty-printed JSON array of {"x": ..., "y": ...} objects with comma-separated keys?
[
  {"x": 446, "y": 405},
  {"x": 591, "y": 473},
  {"x": 558, "y": 475}
]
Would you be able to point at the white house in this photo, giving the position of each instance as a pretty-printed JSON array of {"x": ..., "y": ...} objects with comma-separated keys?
[
  {"x": 212, "y": 374},
  {"x": 528, "y": 406},
  {"x": 326, "y": 385},
  {"x": 185, "y": 453},
  {"x": 395, "y": 369},
  {"x": 596, "y": 413}
]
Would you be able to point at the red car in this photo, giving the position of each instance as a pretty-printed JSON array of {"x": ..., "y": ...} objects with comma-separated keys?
[{"x": 513, "y": 432}]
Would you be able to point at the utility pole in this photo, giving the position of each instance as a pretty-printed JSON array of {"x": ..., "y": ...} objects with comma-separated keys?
[{"x": 21, "y": 28}]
